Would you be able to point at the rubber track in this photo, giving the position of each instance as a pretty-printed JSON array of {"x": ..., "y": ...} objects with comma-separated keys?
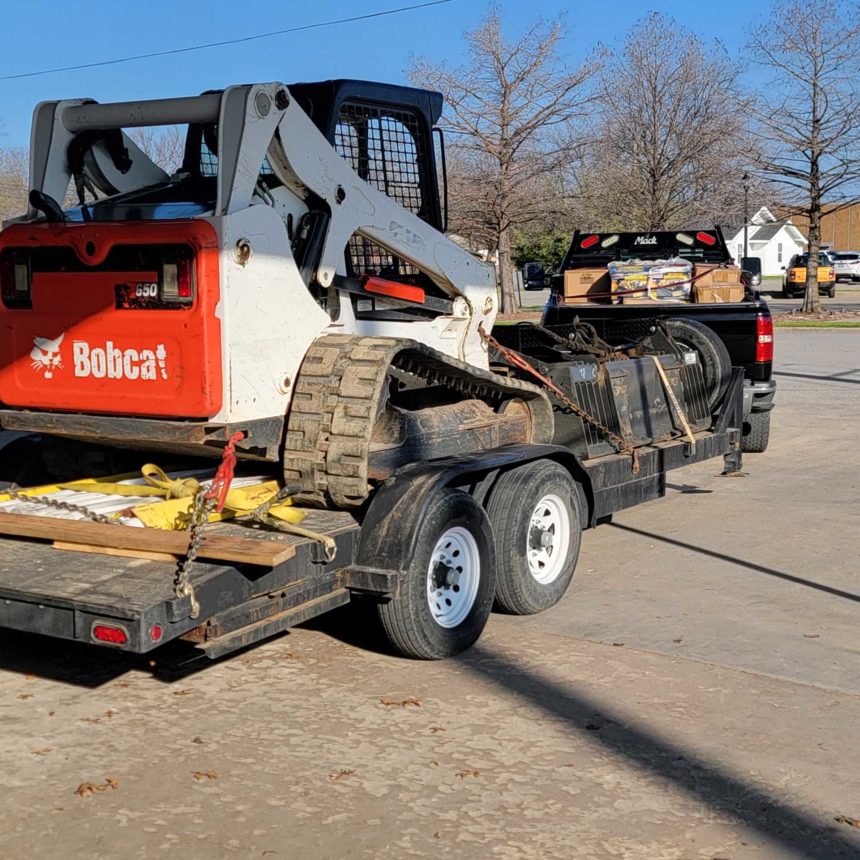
[{"x": 336, "y": 401}]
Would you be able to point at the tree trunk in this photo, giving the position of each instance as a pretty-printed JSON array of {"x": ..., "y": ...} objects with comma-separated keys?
[
  {"x": 510, "y": 304},
  {"x": 811, "y": 299}
]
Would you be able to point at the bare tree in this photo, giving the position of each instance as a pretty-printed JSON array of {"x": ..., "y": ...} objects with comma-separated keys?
[
  {"x": 165, "y": 145},
  {"x": 510, "y": 118},
  {"x": 14, "y": 182},
  {"x": 672, "y": 147},
  {"x": 809, "y": 115}
]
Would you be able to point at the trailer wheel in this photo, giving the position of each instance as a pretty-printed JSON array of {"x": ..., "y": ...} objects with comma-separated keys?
[
  {"x": 537, "y": 512},
  {"x": 716, "y": 362},
  {"x": 446, "y": 596},
  {"x": 756, "y": 433}
]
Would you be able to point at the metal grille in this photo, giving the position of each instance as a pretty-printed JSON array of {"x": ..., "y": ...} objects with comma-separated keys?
[
  {"x": 594, "y": 397},
  {"x": 383, "y": 145}
]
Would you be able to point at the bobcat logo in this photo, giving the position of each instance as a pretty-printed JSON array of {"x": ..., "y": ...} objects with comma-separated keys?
[{"x": 46, "y": 355}]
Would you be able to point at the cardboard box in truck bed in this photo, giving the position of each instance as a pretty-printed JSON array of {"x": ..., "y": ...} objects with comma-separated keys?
[{"x": 587, "y": 285}]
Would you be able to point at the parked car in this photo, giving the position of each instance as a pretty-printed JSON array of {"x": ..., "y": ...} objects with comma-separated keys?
[
  {"x": 794, "y": 279},
  {"x": 846, "y": 264}
]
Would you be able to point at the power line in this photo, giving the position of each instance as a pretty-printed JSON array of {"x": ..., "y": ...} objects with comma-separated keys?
[{"x": 316, "y": 26}]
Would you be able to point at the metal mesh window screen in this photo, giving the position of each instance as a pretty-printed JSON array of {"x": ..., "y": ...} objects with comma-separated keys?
[{"x": 383, "y": 146}]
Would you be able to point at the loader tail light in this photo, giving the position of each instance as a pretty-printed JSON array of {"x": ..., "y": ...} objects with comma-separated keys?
[
  {"x": 110, "y": 634},
  {"x": 15, "y": 281},
  {"x": 764, "y": 339},
  {"x": 176, "y": 283}
]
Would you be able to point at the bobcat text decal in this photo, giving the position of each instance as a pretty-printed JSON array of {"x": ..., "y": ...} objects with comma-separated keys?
[{"x": 114, "y": 363}]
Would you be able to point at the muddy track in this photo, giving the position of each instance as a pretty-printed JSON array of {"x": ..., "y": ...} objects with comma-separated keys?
[{"x": 337, "y": 398}]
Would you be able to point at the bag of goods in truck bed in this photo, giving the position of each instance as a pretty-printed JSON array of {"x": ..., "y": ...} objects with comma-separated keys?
[{"x": 644, "y": 281}]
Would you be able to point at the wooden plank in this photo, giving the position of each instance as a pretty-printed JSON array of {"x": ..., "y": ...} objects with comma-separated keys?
[
  {"x": 121, "y": 553},
  {"x": 267, "y": 553}
]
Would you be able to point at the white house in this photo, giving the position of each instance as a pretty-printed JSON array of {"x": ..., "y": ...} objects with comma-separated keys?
[{"x": 772, "y": 241}]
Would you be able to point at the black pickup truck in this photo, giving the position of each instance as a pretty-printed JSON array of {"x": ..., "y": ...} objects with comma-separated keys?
[{"x": 736, "y": 334}]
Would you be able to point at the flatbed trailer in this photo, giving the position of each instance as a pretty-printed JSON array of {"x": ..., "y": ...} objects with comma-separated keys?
[{"x": 87, "y": 592}]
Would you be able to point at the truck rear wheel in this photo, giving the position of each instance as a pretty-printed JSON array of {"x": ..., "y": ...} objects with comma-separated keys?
[
  {"x": 716, "y": 362},
  {"x": 446, "y": 596},
  {"x": 756, "y": 433},
  {"x": 537, "y": 512}
]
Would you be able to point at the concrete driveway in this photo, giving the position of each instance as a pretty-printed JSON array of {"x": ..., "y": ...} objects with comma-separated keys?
[{"x": 695, "y": 695}]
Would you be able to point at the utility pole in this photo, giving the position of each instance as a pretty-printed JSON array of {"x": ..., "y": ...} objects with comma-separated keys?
[{"x": 746, "y": 181}]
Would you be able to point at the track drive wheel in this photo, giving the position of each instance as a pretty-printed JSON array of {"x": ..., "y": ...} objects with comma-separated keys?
[
  {"x": 537, "y": 512},
  {"x": 446, "y": 596}
]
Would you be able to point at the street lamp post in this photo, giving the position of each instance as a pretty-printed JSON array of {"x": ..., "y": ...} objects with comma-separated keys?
[{"x": 746, "y": 181}]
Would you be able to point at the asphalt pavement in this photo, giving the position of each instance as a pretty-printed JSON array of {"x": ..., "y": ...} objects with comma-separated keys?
[{"x": 695, "y": 695}]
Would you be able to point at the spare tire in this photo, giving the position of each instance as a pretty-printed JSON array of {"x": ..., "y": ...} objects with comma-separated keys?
[{"x": 716, "y": 363}]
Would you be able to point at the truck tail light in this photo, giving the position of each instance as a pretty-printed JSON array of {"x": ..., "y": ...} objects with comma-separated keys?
[
  {"x": 15, "y": 281},
  {"x": 764, "y": 339},
  {"x": 176, "y": 281}
]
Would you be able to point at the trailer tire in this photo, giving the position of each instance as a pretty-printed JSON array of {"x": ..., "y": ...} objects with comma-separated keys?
[
  {"x": 716, "y": 362},
  {"x": 446, "y": 597},
  {"x": 527, "y": 504},
  {"x": 755, "y": 439}
]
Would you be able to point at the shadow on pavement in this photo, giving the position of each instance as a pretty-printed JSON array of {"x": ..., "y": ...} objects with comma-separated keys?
[
  {"x": 833, "y": 377},
  {"x": 795, "y": 831},
  {"x": 778, "y": 574}
]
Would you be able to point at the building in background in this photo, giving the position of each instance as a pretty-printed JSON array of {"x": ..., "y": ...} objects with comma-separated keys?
[
  {"x": 840, "y": 230},
  {"x": 772, "y": 240}
]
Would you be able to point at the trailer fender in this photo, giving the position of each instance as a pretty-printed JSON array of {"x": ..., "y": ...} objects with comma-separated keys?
[{"x": 398, "y": 508}]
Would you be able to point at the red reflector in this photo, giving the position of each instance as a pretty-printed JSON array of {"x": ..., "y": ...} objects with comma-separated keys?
[
  {"x": 404, "y": 292},
  {"x": 707, "y": 238},
  {"x": 155, "y": 632},
  {"x": 183, "y": 278},
  {"x": 764, "y": 339},
  {"x": 588, "y": 241},
  {"x": 114, "y": 635}
]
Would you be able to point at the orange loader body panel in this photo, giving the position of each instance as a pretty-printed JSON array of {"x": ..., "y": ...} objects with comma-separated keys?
[{"x": 81, "y": 348}]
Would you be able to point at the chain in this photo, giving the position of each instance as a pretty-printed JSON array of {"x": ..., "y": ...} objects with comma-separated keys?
[
  {"x": 14, "y": 493},
  {"x": 198, "y": 519},
  {"x": 621, "y": 445},
  {"x": 260, "y": 514}
]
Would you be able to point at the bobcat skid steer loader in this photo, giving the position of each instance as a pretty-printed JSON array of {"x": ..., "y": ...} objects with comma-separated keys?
[{"x": 290, "y": 280}]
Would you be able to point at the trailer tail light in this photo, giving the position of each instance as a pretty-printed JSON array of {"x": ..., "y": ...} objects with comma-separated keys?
[
  {"x": 15, "y": 281},
  {"x": 176, "y": 283},
  {"x": 764, "y": 339},
  {"x": 110, "y": 634}
]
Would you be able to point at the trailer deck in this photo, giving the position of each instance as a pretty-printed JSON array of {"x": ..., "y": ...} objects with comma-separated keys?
[{"x": 77, "y": 589}]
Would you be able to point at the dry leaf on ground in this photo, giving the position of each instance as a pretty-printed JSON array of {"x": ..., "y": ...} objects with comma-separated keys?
[
  {"x": 200, "y": 775},
  {"x": 400, "y": 703},
  {"x": 87, "y": 789},
  {"x": 341, "y": 774},
  {"x": 182, "y": 692},
  {"x": 462, "y": 774},
  {"x": 43, "y": 751},
  {"x": 844, "y": 819}
]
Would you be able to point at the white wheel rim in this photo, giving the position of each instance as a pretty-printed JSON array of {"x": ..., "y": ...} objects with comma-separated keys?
[
  {"x": 453, "y": 576},
  {"x": 548, "y": 539}
]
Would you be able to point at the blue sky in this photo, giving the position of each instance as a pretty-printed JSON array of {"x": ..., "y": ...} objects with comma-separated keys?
[{"x": 40, "y": 34}]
